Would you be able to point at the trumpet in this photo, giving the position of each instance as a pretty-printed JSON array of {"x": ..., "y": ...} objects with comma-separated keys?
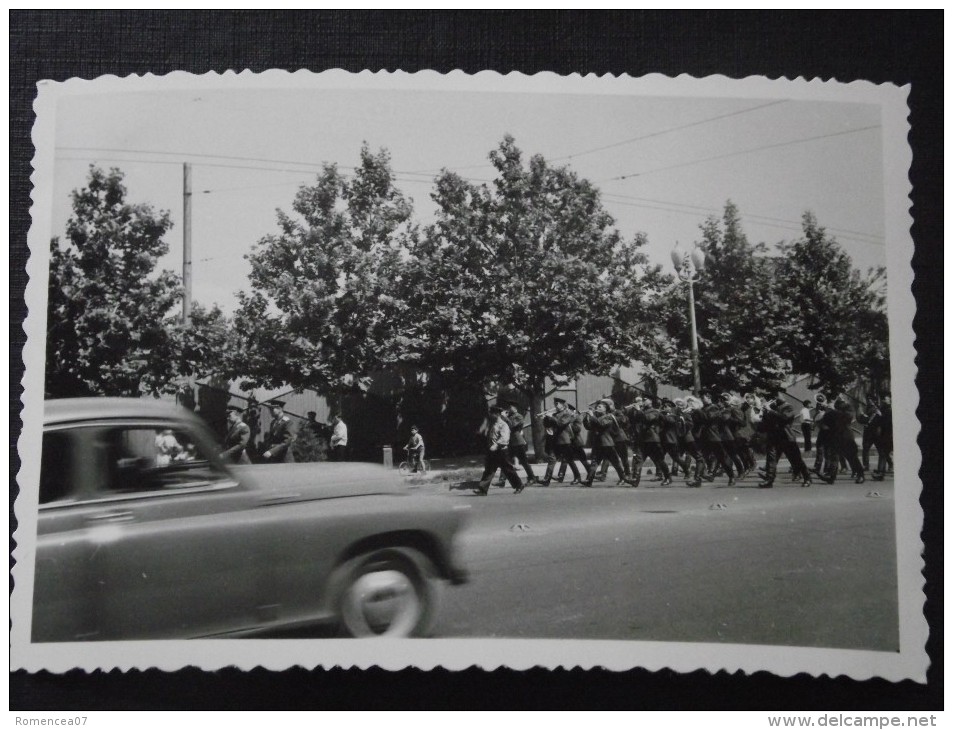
[{"x": 547, "y": 412}]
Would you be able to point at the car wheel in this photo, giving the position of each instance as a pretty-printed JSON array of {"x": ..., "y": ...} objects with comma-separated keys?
[{"x": 389, "y": 593}]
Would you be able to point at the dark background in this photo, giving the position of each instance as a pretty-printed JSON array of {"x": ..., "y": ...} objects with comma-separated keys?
[{"x": 895, "y": 47}]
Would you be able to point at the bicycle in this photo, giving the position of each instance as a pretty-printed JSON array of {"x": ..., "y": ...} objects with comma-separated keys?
[{"x": 406, "y": 467}]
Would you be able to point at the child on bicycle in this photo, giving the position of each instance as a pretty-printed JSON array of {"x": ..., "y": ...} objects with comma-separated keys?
[{"x": 415, "y": 449}]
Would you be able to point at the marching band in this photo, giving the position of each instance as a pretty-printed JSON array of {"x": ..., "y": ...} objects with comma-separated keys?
[{"x": 701, "y": 438}]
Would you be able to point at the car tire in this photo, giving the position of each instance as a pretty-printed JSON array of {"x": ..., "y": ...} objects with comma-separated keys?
[{"x": 389, "y": 593}]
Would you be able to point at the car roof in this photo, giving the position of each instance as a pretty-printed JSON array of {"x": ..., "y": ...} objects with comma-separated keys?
[{"x": 65, "y": 410}]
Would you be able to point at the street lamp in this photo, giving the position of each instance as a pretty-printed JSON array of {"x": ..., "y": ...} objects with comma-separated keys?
[{"x": 688, "y": 266}]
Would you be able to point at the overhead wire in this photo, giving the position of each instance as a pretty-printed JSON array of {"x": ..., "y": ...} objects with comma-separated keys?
[{"x": 740, "y": 152}]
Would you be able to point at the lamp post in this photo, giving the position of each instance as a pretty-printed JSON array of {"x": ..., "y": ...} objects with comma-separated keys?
[{"x": 688, "y": 266}]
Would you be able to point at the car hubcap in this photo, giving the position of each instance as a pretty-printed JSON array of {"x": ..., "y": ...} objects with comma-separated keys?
[{"x": 383, "y": 602}]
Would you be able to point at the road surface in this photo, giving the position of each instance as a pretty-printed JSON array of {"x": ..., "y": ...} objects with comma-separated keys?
[{"x": 805, "y": 567}]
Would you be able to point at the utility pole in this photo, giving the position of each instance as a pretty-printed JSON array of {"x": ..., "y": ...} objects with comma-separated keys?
[
  {"x": 189, "y": 389},
  {"x": 186, "y": 243}
]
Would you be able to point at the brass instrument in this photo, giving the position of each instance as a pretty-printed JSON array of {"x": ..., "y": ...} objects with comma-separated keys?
[{"x": 547, "y": 412}]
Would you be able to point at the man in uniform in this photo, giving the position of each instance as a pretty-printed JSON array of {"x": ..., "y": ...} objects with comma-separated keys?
[
  {"x": 822, "y": 426},
  {"x": 842, "y": 441},
  {"x": 647, "y": 420},
  {"x": 713, "y": 448},
  {"x": 685, "y": 430},
  {"x": 497, "y": 456},
  {"x": 279, "y": 438},
  {"x": 670, "y": 438},
  {"x": 576, "y": 451},
  {"x": 636, "y": 429},
  {"x": 729, "y": 419},
  {"x": 598, "y": 422},
  {"x": 518, "y": 445},
  {"x": 236, "y": 438},
  {"x": 778, "y": 424},
  {"x": 870, "y": 418},
  {"x": 560, "y": 423},
  {"x": 884, "y": 441}
]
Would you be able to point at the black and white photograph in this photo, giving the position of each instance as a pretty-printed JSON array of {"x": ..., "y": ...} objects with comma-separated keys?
[{"x": 442, "y": 370}]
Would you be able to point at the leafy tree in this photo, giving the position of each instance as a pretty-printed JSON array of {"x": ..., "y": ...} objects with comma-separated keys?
[
  {"x": 321, "y": 312},
  {"x": 523, "y": 281},
  {"x": 840, "y": 323},
  {"x": 107, "y": 323},
  {"x": 741, "y": 317}
]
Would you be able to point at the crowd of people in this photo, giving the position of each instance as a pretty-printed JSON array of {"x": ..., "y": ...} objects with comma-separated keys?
[
  {"x": 276, "y": 446},
  {"x": 702, "y": 438}
]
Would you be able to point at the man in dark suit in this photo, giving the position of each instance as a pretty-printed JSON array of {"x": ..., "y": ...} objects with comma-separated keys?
[
  {"x": 236, "y": 439},
  {"x": 279, "y": 438}
]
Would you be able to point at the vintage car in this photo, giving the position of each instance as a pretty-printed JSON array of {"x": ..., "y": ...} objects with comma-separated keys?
[{"x": 143, "y": 533}]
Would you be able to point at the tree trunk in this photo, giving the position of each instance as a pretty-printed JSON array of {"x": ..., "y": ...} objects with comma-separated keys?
[{"x": 537, "y": 397}]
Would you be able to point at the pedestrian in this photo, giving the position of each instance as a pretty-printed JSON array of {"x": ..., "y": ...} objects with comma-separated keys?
[
  {"x": 822, "y": 426},
  {"x": 777, "y": 422},
  {"x": 280, "y": 436},
  {"x": 338, "y": 438},
  {"x": 236, "y": 438},
  {"x": 415, "y": 449},
  {"x": 597, "y": 421},
  {"x": 807, "y": 420},
  {"x": 497, "y": 457},
  {"x": 518, "y": 446}
]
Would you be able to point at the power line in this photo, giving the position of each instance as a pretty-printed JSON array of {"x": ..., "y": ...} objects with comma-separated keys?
[
  {"x": 784, "y": 225},
  {"x": 741, "y": 152},
  {"x": 875, "y": 238},
  {"x": 658, "y": 133},
  {"x": 398, "y": 178},
  {"x": 667, "y": 131},
  {"x": 218, "y": 157}
]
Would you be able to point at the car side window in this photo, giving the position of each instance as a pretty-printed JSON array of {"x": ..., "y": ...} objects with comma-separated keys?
[
  {"x": 56, "y": 470},
  {"x": 145, "y": 459}
]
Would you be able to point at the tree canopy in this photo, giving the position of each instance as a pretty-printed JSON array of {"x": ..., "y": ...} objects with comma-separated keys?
[
  {"x": 321, "y": 312},
  {"x": 740, "y": 315},
  {"x": 524, "y": 280},
  {"x": 106, "y": 323},
  {"x": 112, "y": 327},
  {"x": 839, "y": 328}
]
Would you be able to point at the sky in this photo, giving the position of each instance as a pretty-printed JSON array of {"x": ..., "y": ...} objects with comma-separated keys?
[{"x": 662, "y": 163}]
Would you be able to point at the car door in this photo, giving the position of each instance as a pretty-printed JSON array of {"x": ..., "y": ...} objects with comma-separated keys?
[
  {"x": 173, "y": 554},
  {"x": 65, "y": 588}
]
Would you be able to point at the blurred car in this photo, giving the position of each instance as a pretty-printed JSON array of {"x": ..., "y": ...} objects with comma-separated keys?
[{"x": 143, "y": 533}]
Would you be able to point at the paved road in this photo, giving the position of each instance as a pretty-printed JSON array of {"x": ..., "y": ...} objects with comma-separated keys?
[{"x": 805, "y": 567}]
